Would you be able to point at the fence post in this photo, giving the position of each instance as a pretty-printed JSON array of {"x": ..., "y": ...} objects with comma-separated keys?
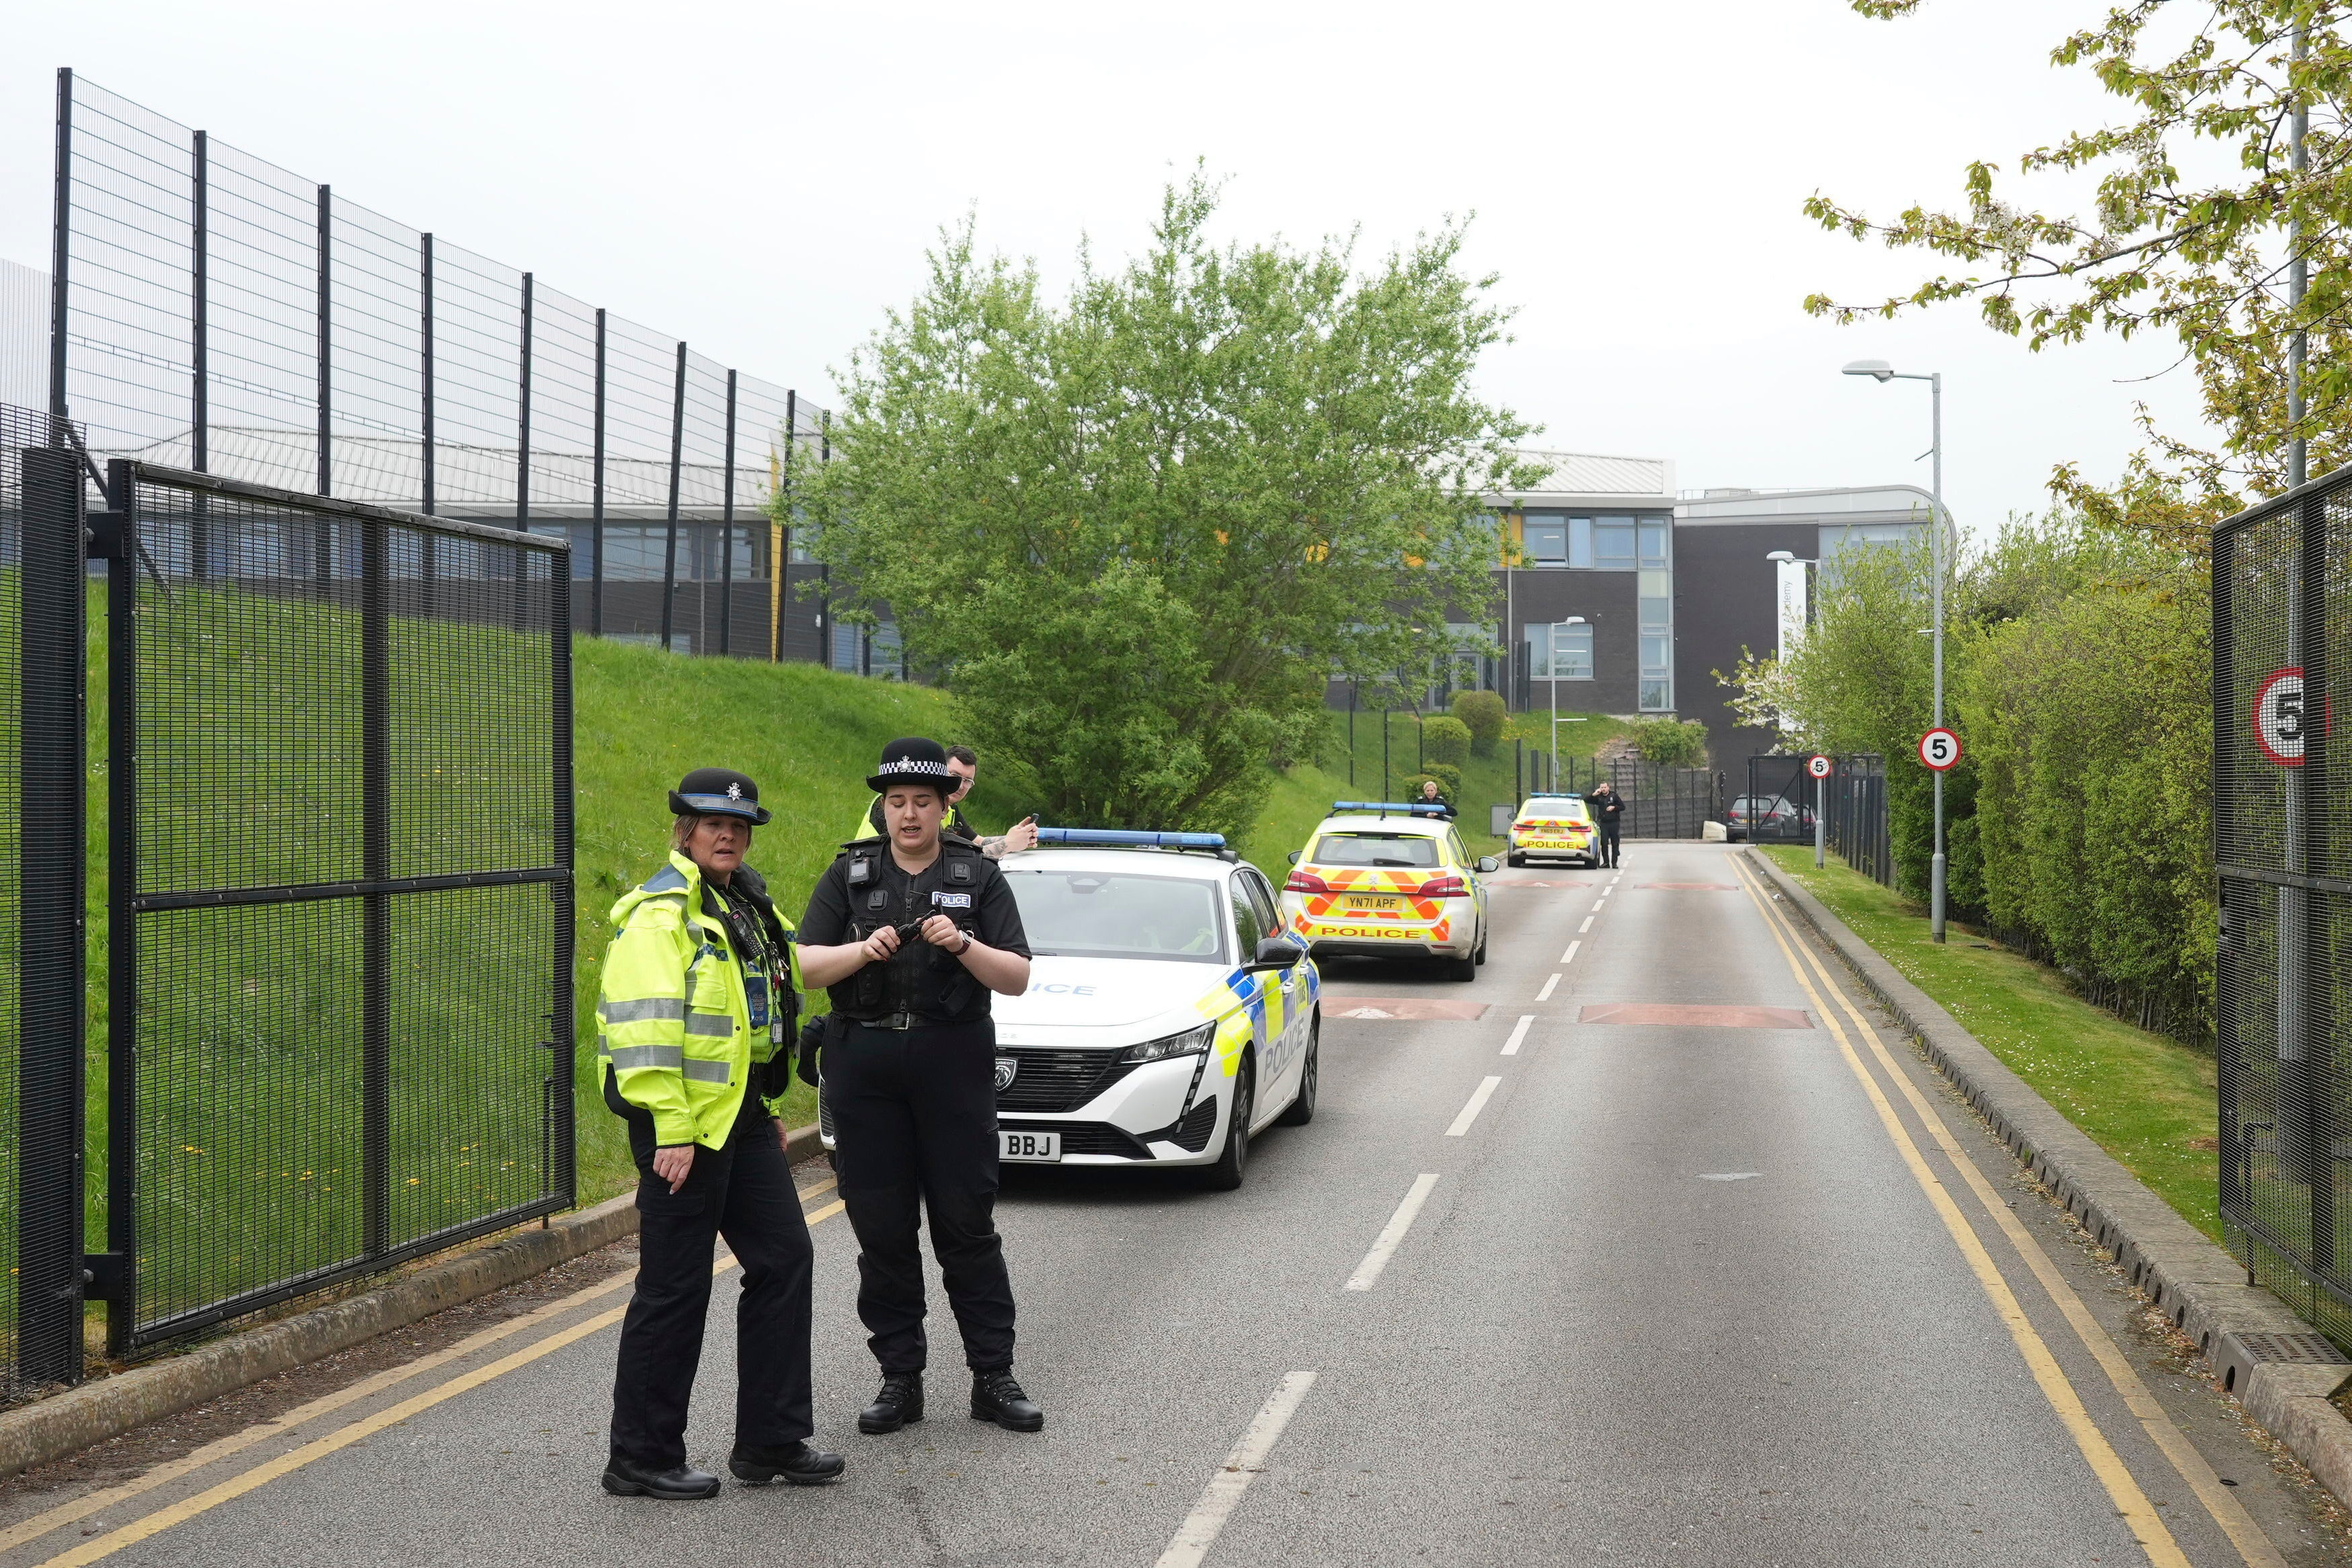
[
  {"x": 50, "y": 984},
  {"x": 779, "y": 532},
  {"x": 2228, "y": 1083},
  {"x": 326, "y": 362},
  {"x": 200, "y": 452},
  {"x": 562, "y": 1006},
  {"x": 375, "y": 867},
  {"x": 596, "y": 498},
  {"x": 2310, "y": 788},
  {"x": 60, "y": 250},
  {"x": 676, "y": 448},
  {"x": 119, "y": 1288},
  {"x": 523, "y": 464},
  {"x": 727, "y": 534}
]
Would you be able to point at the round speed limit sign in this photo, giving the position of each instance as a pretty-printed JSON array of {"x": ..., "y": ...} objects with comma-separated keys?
[
  {"x": 1940, "y": 750},
  {"x": 2278, "y": 716},
  {"x": 1817, "y": 766}
]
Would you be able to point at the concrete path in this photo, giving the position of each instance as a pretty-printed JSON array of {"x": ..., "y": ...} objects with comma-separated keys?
[{"x": 1721, "y": 1276}]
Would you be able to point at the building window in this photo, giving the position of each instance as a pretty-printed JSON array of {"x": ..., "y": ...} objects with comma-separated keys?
[
  {"x": 1653, "y": 542},
  {"x": 1546, "y": 536},
  {"x": 1559, "y": 653},
  {"x": 1579, "y": 543},
  {"x": 1613, "y": 543},
  {"x": 1657, "y": 642}
]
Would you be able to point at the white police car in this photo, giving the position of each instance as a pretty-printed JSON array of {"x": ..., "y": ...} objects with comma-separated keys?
[{"x": 1167, "y": 1019}]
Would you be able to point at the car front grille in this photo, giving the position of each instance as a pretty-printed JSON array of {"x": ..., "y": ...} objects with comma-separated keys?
[
  {"x": 1085, "y": 1137},
  {"x": 1058, "y": 1081}
]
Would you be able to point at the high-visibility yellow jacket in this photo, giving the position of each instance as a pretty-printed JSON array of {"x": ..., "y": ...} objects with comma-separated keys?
[{"x": 674, "y": 1022}]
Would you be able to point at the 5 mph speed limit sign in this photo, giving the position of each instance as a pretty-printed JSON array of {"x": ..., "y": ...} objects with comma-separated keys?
[
  {"x": 1940, "y": 750},
  {"x": 1817, "y": 767},
  {"x": 2278, "y": 716}
]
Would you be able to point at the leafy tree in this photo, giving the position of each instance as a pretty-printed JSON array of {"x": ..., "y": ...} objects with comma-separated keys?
[
  {"x": 1139, "y": 530},
  {"x": 2203, "y": 256},
  {"x": 1483, "y": 713},
  {"x": 1671, "y": 742},
  {"x": 1445, "y": 740}
]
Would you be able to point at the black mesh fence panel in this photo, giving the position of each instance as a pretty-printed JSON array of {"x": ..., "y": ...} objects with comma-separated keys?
[
  {"x": 1855, "y": 822},
  {"x": 341, "y": 1017},
  {"x": 2283, "y": 642},
  {"x": 42, "y": 614},
  {"x": 1777, "y": 807}
]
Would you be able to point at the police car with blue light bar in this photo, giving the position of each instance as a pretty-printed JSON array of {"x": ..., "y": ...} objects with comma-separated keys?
[{"x": 1168, "y": 1020}]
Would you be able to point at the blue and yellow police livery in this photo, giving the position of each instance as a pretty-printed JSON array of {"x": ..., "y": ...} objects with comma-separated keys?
[{"x": 1168, "y": 1017}]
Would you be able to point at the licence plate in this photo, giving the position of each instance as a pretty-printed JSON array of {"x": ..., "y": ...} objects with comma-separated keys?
[
  {"x": 1366, "y": 901},
  {"x": 1033, "y": 1148}
]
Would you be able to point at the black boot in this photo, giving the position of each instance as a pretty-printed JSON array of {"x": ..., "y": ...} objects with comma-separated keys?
[
  {"x": 795, "y": 1462},
  {"x": 996, "y": 1397},
  {"x": 900, "y": 1402},
  {"x": 626, "y": 1478}
]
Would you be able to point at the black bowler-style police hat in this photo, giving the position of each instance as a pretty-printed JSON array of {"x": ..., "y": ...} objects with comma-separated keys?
[
  {"x": 719, "y": 791},
  {"x": 913, "y": 760}
]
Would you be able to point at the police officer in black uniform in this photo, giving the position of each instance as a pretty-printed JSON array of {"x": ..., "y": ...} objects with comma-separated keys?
[{"x": 911, "y": 930}]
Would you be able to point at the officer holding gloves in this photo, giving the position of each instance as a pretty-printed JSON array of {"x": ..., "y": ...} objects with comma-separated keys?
[
  {"x": 698, "y": 1000},
  {"x": 912, "y": 931}
]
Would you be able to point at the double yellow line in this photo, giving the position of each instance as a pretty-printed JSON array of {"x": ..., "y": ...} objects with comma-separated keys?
[
  {"x": 343, "y": 1437},
  {"x": 2131, "y": 1504}
]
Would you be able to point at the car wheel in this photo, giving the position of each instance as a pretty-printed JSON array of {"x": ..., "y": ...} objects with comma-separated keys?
[
  {"x": 1461, "y": 968},
  {"x": 1233, "y": 1163},
  {"x": 1301, "y": 1111},
  {"x": 1515, "y": 859},
  {"x": 1480, "y": 956}
]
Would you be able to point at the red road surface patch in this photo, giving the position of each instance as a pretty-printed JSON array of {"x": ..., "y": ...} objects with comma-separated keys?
[
  {"x": 1498, "y": 886},
  {"x": 1694, "y": 1017},
  {"x": 1414, "y": 1009},
  {"x": 1685, "y": 887}
]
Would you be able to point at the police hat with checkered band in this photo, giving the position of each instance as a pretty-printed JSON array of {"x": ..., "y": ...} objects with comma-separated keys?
[
  {"x": 913, "y": 761},
  {"x": 719, "y": 791}
]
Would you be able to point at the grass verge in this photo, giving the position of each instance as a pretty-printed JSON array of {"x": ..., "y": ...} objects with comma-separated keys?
[{"x": 2146, "y": 1098}]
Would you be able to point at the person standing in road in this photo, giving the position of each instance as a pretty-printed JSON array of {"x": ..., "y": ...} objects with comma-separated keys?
[
  {"x": 698, "y": 999},
  {"x": 964, "y": 765},
  {"x": 1608, "y": 807},
  {"x": 912, "y": 933}
]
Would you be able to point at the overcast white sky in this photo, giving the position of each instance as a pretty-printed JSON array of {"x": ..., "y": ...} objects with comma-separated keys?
[{"x": 763, "y": 179}]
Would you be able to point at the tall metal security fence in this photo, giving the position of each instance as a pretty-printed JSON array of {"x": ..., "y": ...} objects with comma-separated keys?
[
  {"x": 41, "y": 818},
  {"x": 217, "y": 313},
  {"x": 1778, "y": 807},
  {"x": 2282, "y": 846},
  {"x": 1660, "y": 802},
  {"x": 1857, "y": 825},
  {"x": 339, "y": 896}
]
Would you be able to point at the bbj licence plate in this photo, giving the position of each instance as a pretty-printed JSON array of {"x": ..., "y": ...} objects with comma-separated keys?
[
  {"x": 1367, "y": 901},
  {"x": 1036, "y": 1148}
]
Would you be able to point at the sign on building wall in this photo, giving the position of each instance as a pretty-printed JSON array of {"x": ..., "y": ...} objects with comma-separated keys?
[{"x": 1791, "y": 598}]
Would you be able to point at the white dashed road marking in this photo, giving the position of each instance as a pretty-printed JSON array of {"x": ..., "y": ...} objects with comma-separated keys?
[
  {"x": 1392, "y": 1233},
  {"x": 1545, "y": 994},
  {"x": 1224, "y": 1492},
  {"x": 1511, "y": 1046},
  {"x": 1478, "y": 1098}
]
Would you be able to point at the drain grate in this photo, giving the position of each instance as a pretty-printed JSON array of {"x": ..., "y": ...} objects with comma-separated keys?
[{"x": 2312, "y": 1350}]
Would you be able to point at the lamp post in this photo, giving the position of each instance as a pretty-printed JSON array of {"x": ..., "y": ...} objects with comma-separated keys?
[
  {"x": 1551, "y": 673},
  {"x": 1880, "y": 371},
  {"x": 1820, "y": 801}
]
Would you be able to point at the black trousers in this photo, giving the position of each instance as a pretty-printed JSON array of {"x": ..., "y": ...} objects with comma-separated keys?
[
  {"x": 914, "y": 1126},
  {"x": 1609, "y": 842},
  {"x": 744, "y": 1193}
]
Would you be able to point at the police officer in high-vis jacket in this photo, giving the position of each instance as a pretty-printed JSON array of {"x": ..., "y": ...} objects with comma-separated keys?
[
  {"x": 912, "y": 929},
  {"x": 698, "y": 998}
]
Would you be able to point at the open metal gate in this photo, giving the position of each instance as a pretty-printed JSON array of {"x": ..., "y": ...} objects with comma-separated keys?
[{"x": 2283, "y": 847}]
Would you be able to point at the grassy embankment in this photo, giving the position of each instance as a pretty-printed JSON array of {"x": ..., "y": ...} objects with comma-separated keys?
[{"x": 2146, "y": 1098}]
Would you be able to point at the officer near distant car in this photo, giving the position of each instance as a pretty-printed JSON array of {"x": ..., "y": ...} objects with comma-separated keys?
[
  {"x": 697, "y": 1001},
  {"x": 1608, "y": 809},
  {"x": 912, "y": 931}
]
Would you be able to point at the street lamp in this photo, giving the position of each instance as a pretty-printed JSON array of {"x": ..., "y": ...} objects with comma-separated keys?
[
  {"x": 1551, "y": 669},
  {"x": 1880, "y": 371}
]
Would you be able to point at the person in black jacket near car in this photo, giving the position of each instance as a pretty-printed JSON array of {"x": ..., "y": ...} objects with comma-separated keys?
[
  {"x": 1607, "y": 808},
  {"x": 912, "y": 931}
]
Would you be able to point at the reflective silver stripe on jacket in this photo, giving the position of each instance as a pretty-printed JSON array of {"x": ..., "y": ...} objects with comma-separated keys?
[
  {"x": 628, "y": 1057},
  {"x": 707, "y": 1072},
  {"x": 717, "y": 1025},
  {"x": 653, "y": 1007}
]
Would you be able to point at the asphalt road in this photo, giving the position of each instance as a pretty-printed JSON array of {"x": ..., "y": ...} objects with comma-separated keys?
[{"x": 1710, "y": 1288}]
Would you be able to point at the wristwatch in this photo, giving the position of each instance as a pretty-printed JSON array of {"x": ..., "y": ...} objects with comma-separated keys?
[{"x": 966, "y": 945}]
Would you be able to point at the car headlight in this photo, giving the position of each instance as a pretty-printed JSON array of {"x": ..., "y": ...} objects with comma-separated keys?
[{"x": 1191, "y": 1042}]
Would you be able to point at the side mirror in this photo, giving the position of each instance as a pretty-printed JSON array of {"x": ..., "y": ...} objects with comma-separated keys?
[
  {"x": 1275, "y": 953},
  {"x": 1488, "y": 863},
  {"x": 1294, "y": 857}
]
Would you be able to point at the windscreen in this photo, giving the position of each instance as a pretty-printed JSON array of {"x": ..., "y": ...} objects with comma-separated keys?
[
  {"x": 1373, "y": 849},
  {"x": 1095, "y": 914},
  {"x": 1566, "y": 808}
]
